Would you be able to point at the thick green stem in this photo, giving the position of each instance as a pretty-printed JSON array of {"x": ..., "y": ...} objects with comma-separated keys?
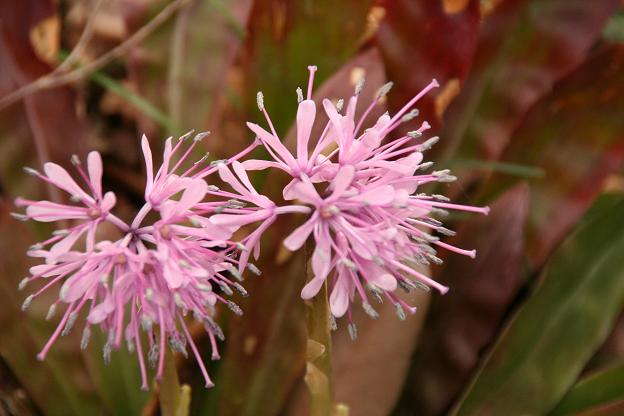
[
  {"x": 174, "y": 399},
  {"x": 319, "y": 369}
]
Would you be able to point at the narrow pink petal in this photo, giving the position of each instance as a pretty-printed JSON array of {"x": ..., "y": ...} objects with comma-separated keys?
[
  {"x": 109, "y": 201},
  {"x": 101, "y": 311},
  {"x": 311, "y": 288},
  {"x": 408, "y": 164},
  {"x": 173, "y": 275},
  {"x": 274, "y": 143},
  {"x": 371, "y": 139},
  {"x": 343, "y": 180},
  {"x": 77, "y": 285},
  {"x": 46, "y": 211},
  {"x": 305, "y": 120},
  {"x": 335, "y": 119},
  {"x": 384, "y": 281},
  {"x": 339, "y": 298},
  {"x": 288, "y": 193},
  {"x": 65, "y": 244},
  {"x": 94, "y": 165},
  {"x": 382, "y": 122},
  {"x": 63, "y": 180},
  {"x": 238, "y": 220},
  {"x": 164, "y": 168},
  {"x": 297, "y": 238},
  {"x": 306, "y": 192},
  {"x": 228, "y": 177},
  {"x": 255, "y": 164},
  {"x": 149, "y": 167},
  {"x": 381, "y": 195},
  {"x": 351, "y": 107},
  {"x": 242, "y": 175},
  {"x": 321, "y": 257},
  {"x": 193, "y": 194}
]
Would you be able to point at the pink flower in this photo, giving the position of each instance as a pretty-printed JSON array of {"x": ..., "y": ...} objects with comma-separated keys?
[
  {"x": 155, "y": 274},
  {"x": 234, "y": 217},
  {"x": 94, "y": 207},
  {"x": 368, "y": 225}
]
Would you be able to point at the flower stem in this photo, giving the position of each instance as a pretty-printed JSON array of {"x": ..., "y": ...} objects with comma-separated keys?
[
  {"x": 318, "y": 368},
  {"x": 174, "y": 399}
]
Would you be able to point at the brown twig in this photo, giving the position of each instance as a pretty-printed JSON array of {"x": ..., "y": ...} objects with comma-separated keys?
[
  {"x": 51, "y": 81},
  {"x": 84, "y": 40}
]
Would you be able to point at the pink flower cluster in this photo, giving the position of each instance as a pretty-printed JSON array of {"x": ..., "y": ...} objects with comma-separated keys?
[
  {"x": 357, "y": 187},
  {"x": 368, "y": 223},
  {"x": 154, "y": 274}
]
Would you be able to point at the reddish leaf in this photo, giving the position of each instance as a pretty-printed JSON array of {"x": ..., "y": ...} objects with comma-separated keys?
[
  {"x": 422, "y": 40},
  {"x": 525, "y": 46},
  {"x": 464, "y": 321},
  {"x": 575, "y": 136}
]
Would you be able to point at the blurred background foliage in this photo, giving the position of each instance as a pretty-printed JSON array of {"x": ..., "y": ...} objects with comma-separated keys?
[{"x": 530, "y": 112}]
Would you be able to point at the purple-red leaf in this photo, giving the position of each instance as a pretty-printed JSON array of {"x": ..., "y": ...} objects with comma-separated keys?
[
  {"x": 576, "y": 136},
  {"x": 422, "y": 40},
  {"x": 524, "y": 47}
]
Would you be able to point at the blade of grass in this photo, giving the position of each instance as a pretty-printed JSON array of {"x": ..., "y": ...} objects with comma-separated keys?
[{"x": 131, "y": 97}]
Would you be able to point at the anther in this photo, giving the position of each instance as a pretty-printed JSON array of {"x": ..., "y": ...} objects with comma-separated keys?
[
  {"x": 27, "y": 302},
  {"x": 71, "y": 320},
  {"x": 385, "y": 89},
  {"x": 51, "y": 312},
  {"x": 359, "y": 85},
  {"x": 31, "y": 171},
  {"x": 411, "y": 115},
  {"x": 370, "y": 311},
  {"x": 260, "y": 100},
  {"x": 199, "y": 137},
  {"x": 86, "y": 336},
  {"x": 352, "y": 331},
  {"x": 22, "y": 284},
  {"x": 254, "y": 269},
  {"x": 186, "y": 135},
  {"x": 235, "y": 308},
  {"x": 339, "y": 105}
]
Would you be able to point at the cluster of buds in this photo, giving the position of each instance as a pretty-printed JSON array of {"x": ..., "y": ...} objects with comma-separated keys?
[{"x": 357, "y": 189}]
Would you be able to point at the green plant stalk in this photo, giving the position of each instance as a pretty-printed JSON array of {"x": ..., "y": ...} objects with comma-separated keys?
[
  {"x": 174, "y": 398},
  {"x": 318, "y": 366}
]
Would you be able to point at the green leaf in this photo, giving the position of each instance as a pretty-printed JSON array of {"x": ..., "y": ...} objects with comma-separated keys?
[
  {"x": 546, "y": 345},
  {"x": 595, "y": 390},
  {"x": 119, "y": 383},
  {"x": 287, "y": 36},
  {"x": 614, "y": 30}
]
